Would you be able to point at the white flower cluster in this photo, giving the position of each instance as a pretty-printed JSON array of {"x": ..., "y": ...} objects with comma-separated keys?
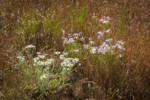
[
  {"x": 105, "y": 20},
  {"x": 21, "y": 58},
  {"x": 68, "y": 63},
  {"x": 57, "y": 53},
  {"x": 38, "y": 62}
]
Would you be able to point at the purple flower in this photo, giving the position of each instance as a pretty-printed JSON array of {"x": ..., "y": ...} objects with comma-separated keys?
[
  {"x": 100, "y": 34},
  {"x": 109, "y": 40},
  {"x": 69, "y": 40},
  {"x": 108, "y": 30},
  {"x": 104, "y": 48},
  {"x": 76, "y": 35}
]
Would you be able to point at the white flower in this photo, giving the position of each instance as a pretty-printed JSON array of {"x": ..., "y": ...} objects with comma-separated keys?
[
  {"x": 44, "y": 76},
  {"x": 82, "y": 38},
  {"x": 40, "y": 63},
  {"x": 75, "y": 60},
  {"x": 41, "y": 56},
  {"x": 119, "y": 45},
  {"x": 91, "y": 42},
  {"x": 85, "y": 46},
  {"x": 62, "y": 57},
  {"x": 105, "y": 20},
  {"x": 21, "y": 58},
  {"x": 93, "y": 50},
  {"x": 76, "y": 50},
  {"x": 68, "y": 63},
  {"x": 65, "y": 53},
  {"x": 120, "y": 55},
  {"x": 90, "y": 39},
  {"x": 108, "y": 30},
  {"x": 50, "y": 61},
  {"x": 57, "y": 52},
  {"x": 120, "y": 42},
  {"x": 38, "y": 53},
  {"x": 35, "y": 60},
  {"x": 29, "y": 46}
]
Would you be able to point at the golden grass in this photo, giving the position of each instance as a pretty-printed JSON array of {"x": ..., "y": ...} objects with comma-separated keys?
[{"x": 128, "y": 79}]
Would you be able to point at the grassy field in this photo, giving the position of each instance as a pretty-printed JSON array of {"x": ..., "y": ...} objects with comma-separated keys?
[{"x": 74, "y": 50}]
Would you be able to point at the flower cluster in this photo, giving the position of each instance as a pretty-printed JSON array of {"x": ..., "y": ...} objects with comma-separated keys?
[
  {"x": 105, "y": 20},
  {"x": 105, "y": 47},
  {"x": 102, "y": 45},
  {"x": 38, "y": 61},
  {"x": 68, "y": 63},
  {"x": 21, "y": 58},
  {"x": 73, "y": 38}
]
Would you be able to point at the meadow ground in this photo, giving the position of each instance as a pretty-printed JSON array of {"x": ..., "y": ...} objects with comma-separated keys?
[{"x": 74, "y": 50}]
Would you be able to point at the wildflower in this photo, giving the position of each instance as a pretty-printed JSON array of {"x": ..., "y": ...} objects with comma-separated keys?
[
  {"x": 29, "y": 46},
  {"x": 69, "y": 40},
  {"x": 100, "y": 34},
  {"x": 40, "y": 63},
  {"x": 90, "y": 39},
  {"x": 85, "y": 46},
  {"x": 76, "y": 35},
  {"x": 75, "y": 60},
  {"x": 109, "y": 40},
  {"x": 50, "y": 62},
  {"x": 82, "y": 38},
  {"x": 104, "y": 48},
  {"x": 101, "y": 51},
  {"x": 120, "y": 42},
  {"x": 91, "y": 42},
  {"x": 44, "y": 76},
  {"x": 21, "y": 58},
  {"x": 35, "y": 60},
  {"x": 65, "y": 53},
  {"x": 108, "y": 30},
  {"x": 93, "y": 50},
  {"x": 57, "y": 52},
  {"x": 120, "y": 55},
  {"x": 41, "y": 56},
  {"x": 38, "y": 53},
  {"x": 119, "y": 45},
  {"x": 62, "y": 57},
  {"x": 79, "y": 64},
  {"x": 105, "y": 20},
  {"x": 68, "y": 63},
  {"x": 76, "y": 50}
]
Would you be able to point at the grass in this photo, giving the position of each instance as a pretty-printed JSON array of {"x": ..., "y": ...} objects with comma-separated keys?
[{"x": 53, "y": 26}]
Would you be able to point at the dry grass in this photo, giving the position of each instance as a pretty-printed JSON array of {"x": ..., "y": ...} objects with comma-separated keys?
[{"x": 126, "y": 79}]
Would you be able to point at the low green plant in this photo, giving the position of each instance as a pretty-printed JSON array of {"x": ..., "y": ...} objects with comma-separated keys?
[{"x": 50, "y": 75}]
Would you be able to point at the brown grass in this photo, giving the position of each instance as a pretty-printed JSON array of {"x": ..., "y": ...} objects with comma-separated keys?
[{"x": 128, "y": 79}]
